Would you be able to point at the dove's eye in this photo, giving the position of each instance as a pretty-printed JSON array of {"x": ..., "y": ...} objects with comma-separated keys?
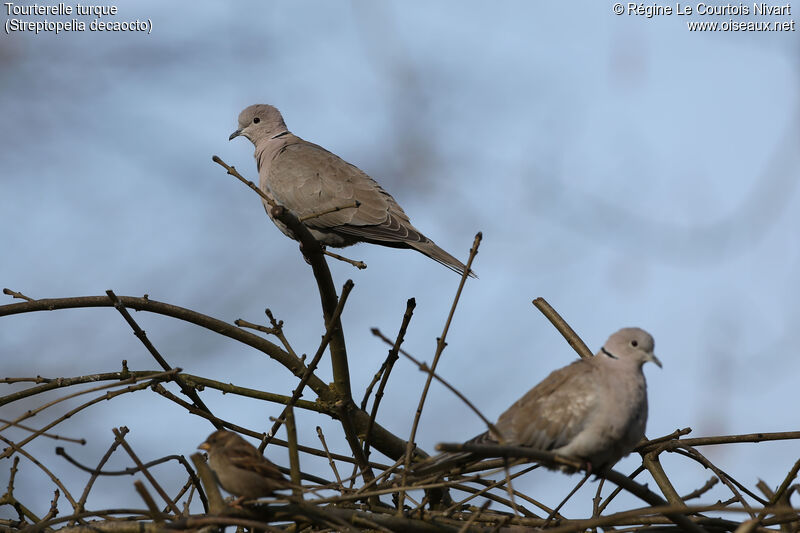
[
  {"x": 634, "y": 343},
  {"x": 256, "y": 120}
]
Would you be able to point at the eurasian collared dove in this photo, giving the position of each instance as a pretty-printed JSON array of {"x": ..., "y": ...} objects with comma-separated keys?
[
  {"x": 593, "y": 410},
  {"x": 309, "y": 180}
]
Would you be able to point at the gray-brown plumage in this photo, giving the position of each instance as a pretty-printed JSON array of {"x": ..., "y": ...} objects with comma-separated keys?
[
  {"x": 240, "y": 468},
  {"x": 308, "y": 180},
  {"x": 593, "y": 410}
]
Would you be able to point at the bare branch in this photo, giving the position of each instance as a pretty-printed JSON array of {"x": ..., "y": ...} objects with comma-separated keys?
[
  {"x": 440, "y": 346},
  {"x": 142, "y": 336},
  {"x": 312, "y": 366},
  {"x": 561, "y": 325},
  {"x": 121, "y": 438}
]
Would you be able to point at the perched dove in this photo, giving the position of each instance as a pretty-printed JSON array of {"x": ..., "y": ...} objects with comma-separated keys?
[
  {"x": 593, "y": 410},
  {"x": 240, "y": 468},
  {"x": 309, "y": 180}
]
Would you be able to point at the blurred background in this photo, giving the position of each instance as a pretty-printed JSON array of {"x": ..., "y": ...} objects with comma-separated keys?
[{"x": 629, "y": 171}]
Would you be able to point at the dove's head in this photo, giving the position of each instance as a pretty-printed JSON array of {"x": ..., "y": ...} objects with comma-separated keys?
[
  {"x": 259, "y": 121},
  {"x": 630, "y": 344}
]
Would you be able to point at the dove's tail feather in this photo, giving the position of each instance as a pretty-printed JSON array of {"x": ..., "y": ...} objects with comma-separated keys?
[
  {"x": 399, "y": 233},
  {"x": 441, "y": 463},
  {"x": 429, "y": 248},
  {"x": 449, "y": 460}
]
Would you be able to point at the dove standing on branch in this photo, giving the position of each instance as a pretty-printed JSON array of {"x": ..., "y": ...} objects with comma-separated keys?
[
  {"x": 344, "y": 204},
  {"x": 240, "y": 468},
  {"x": 593, "y": 410}
]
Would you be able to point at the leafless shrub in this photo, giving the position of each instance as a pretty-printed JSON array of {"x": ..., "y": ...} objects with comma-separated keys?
[{"x": 344, "y": 502}]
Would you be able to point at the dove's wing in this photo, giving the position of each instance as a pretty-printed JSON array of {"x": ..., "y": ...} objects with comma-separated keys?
[
  {"x": 309, "y": 180},
  {"x": 555, "y": 411}
]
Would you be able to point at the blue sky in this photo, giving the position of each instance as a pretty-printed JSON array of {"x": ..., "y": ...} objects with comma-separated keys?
[{"x": 629, "y": 171}]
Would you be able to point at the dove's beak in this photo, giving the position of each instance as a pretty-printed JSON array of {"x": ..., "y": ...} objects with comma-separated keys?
[
  {"x": 235, "y": 134},
  {"x": 655, "y": 359},
  {"x": 205, "y": 446}
]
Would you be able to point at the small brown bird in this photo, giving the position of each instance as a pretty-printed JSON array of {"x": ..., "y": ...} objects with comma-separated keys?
[
  {"x": 593, "y": 410},
  {"x": 240, "y": 468},
  {"x": 309, "y": 180}
]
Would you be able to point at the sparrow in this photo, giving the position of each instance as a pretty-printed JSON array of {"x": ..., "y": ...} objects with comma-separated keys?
[{"x": 240, "y": 468}]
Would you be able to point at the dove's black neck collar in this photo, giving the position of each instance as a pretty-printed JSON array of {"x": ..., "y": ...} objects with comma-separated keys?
[
  {"x": 281, "y": 134},
  {"x": 611, "y": 355}
]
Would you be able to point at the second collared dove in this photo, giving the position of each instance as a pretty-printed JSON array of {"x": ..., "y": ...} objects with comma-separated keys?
[
  {"x": 309, "y": 180},
  {"x": 593, "y": 410}
]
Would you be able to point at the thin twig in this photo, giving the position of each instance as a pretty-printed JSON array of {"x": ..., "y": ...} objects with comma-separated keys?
[
  {"x": 566, "y": 499},
  {"x": 17, "y": 447},
  {"x": 653, "y": 465},
  {"x": 330, "y": 459},
  {"x": 361, "y": 265},
  {"x": 215, "y": 502},
  {"x": 96, "y": 472},
  {"x": 277, "y": 326},
  {"x": 230, "y": 388},
  {"x": 258, "y": 342},
  {"x": 713, "y": 480},
  {"x": 48, "y": 384},
  {"x": 235, "y": 173},
  {"x": 382, "y": 440},
  {"x": 294, "y": 456},
  {"x": 375, "y": 379},
  {"x": 349, "y": 205},
  {"x": 155, "y": 512},
  {"x": 121, "y": 437},
  {"x": 510, "y": 488},
  {"x": 384, "y": 475},
  {"x": 631, "y": 486},
  {"x": 597, "y": 498},
  {"x": 242, "y": 323},
  {"x": 649, "y": 444},
  {"x": 747, "y": 437},
  {"x": 784, "y": 486},
  {"x": 16, "y": 294},
  {"x": 53, "y": 506},
  {"x": 255, "y": 434},
  {"x": 388, "y": 365},
  {"x": 312, "y": 366},
  {"x": 142, "y": 336},
  {"x": 474, "y": 516},
  {"x": 424, "y": 368},
  {"x": 105, "y": 397},
  {"x": 727, "y": 479},
  {"x": 458, "y": 483},
  {"x": 617, "y": 490},
  {"x": 561, "y": 325},
  {"x": 10, "y": 423},
  {"x": 440, "y": 346},
  {"x": 777, "y": 495},
  {"x": 497, "y": 450},
  {"x": 129, "y": 471}
]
